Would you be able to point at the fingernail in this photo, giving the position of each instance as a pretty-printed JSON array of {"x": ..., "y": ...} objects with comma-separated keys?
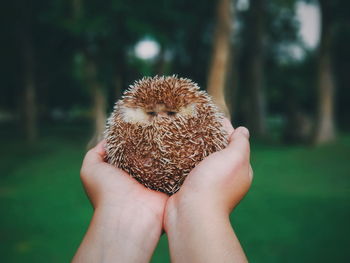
[{"x": 244, "y": 131}]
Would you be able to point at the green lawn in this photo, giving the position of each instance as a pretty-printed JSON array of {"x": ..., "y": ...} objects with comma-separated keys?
[{"x": 298, "y": 209}]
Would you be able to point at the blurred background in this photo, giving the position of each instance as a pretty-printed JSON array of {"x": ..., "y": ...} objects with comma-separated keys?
[{"x": 279, "y": 67}]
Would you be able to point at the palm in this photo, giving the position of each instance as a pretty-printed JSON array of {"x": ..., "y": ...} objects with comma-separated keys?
[
  {"x": 154, "y": 201},
  {"x": 111, "y": 186},
  {"x": 121, "y": 186}
]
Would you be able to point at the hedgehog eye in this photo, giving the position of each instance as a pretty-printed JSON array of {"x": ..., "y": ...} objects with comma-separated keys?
[
  {"x": 152, "y": 113},
  {"x": 171, "y": 113}
]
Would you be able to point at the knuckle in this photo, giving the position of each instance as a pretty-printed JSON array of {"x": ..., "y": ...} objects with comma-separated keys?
[
  {"x": 249, "y": 177},
  {"x": 251, "y": 173},
  {"x": 82, "y": 173},
  {"x": 245, "y": 144}
]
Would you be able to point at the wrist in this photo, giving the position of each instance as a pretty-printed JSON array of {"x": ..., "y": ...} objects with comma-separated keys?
[
  {"x": 193, "y": 211},
  {"x": 119, "y": 232},
  {"x": 128, "y": 207},
  {"x": 126, "y": 216},
  {"x": 129, "y": 229},
  {"x": 191, "y": 227}
]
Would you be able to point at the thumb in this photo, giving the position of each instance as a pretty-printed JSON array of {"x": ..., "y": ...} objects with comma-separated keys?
[
  {"x": 96, "y": 154},
  {"x": 239, "y": 141},
  {"x": 240, "y": 131}
]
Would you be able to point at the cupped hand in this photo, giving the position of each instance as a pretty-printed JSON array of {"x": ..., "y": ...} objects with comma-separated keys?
[
  {"x": 127, "y": 219},
  {"x": 108, "y": 186},
  {"x": 220, "y": 181}
]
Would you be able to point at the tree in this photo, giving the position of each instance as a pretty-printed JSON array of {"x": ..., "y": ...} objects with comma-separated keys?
[
  {"x": 253, "y": 65},
  {"x": 98, "y": 100},
  {"x": 341, "y": 64},
  {"x": 221, "y": 54},
  {"x": 288, "y": 94},
  {"x": 325, "y": 129},
  {"x": 29, "y": 85},
  {"x": 25, "y": 29}
]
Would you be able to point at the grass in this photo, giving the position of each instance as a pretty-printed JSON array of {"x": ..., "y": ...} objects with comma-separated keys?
[{"x": 298, "y": 209}]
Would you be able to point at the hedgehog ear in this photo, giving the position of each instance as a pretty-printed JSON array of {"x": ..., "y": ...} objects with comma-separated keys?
[{"x": 133, "y": 115}]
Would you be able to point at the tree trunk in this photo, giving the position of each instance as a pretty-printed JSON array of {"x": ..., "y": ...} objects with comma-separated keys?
[
  {"x": 99, "y": 101},
  {"x": 325, "y": 130},
  {"x": 161, "y": 63},
  {"x": 118, "y": 85},
  {"x": 254, "y": 68},
  {"x": 77, "y": 9},
  {"x": 24, "y": 28},
  {"x": 91, "y": 79},
  {"x": 99, "y": 111},
  {"x": 221, "y": 54},
  {"x": 120, "y": 75},
  {"x": 29, "y": 99}
]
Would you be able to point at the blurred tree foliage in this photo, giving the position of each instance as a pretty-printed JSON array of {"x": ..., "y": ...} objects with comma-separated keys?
[{"x": 66, "y": 54}]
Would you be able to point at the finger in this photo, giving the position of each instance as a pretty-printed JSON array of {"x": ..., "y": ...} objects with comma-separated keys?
[
  {"x": 227, "y": 126},
  {"x": 239, "y": 140},
  {"x": 96, "y": 154},
  {"x": 241, "y": 131},
  {"x": 100, "y": 148}
]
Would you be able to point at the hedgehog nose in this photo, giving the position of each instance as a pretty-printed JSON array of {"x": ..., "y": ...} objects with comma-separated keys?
[{"x": 162, "y": 114}]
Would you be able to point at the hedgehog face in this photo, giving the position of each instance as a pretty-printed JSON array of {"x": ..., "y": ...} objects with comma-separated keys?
[
  {"x": 146, "y": 115},
  {"x": 169, "y": 98}
]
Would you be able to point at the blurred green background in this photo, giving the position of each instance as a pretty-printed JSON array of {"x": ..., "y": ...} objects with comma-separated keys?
[{"x": 281, "y": 66}]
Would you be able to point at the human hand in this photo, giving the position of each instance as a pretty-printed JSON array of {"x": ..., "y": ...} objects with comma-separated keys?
[
  {"x": 128, "y": 217},
  {"x": 107, "y": 185},
  {"x": 196, "y": 218},
  {"x": 221, "y": 180}
]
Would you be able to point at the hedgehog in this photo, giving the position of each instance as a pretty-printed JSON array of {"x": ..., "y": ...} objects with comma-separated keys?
[{"x": 160, "y": 129}]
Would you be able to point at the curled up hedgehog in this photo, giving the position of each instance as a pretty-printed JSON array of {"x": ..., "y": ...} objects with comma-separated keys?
[{"x": 160, "y": 129}]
